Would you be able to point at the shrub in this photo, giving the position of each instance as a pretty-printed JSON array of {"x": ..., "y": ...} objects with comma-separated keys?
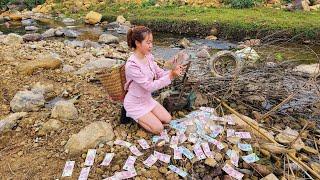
[{"x": 239, "y": 4}]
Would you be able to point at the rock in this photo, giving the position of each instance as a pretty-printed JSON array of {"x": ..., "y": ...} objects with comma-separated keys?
[
  {"x": 49, "y": 33},
  {"x": 163, "y": 170},
  {"x": 31, "y": 28},
  {"x": 97, "y": 64},
  {"x": 172, "y": 176},
  {"x": 93, "y": 17},
  {"x": 90, "y": 137},
  {"x": 32, "y": 37},
  {"x": 1, "y": 33},
  {"x": 273, "y": 1},
  {"x": 270, "y": 177},
  {"x": 214, "y": 31},
  {"x": 218, "y": 157},
  {"x": 212, "y": 38},
  {"x": 252, "y": 42},
  {"x": 142, "y": 134},
  {"x": 315, "y": 7},
  {"x": 248, "y": 54},
  {"x": 68, "y": 68},
  {"x": 59, "y": 32},
  {"x": 15, "y": 16},
  {"x": 68, "y": 21},
  {"x": 288, "y": 136},
  {"x": 112, "y": 25},
  {"x": 184, "y": 43},
  {"x": 25, "y": 101},
  {"x": 64, "y": 110},
  {"x": 302, "y": 5},
  {"x": 261, "y": 169},
  {"x": 42, "y": 88},
  {"x": 12, "y": 39},
  {"x": 123, "y": 29},
  {"x": 210, "y": 162},
  {"x": 203, "y": 53},
  {"x": 108, "y": 39},
  {"x": 28, "y": 22},
  {"x": 91, "y": 44},
  {"x": 70, "y": 33},
  {"x": 46, "y": 62},
  {"x": 74, "y": 43},
  {"x": 121, "y": 19},
  {"x": 310, "y": 69},
  {"x": 10, "y": 121},
  {"x": 51, "y": 125}
]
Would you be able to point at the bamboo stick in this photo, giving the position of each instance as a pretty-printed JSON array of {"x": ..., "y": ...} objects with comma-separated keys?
[{"x": 291, "y": 155}]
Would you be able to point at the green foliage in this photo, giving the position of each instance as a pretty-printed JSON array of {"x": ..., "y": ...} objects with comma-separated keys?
[
  {"x": 29, "y": 3},
  {"x": 240, "y": 4},
  {"x": 278, "y": 56},
  {"x": 148, "y": 3}
]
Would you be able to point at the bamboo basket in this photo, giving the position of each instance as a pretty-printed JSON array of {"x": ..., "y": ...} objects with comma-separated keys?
[{"x": 113, "y": 80}]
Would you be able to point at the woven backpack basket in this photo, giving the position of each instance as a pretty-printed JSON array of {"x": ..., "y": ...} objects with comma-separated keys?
[{"x": 113, "y": 80}]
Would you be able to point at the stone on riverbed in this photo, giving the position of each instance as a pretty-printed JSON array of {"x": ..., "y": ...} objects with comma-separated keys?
[
  {"x": 64, "y": 110},
  {"x": 10, "y": 121},
  {"x": 310, "y": 69},
  {"x": 97, "y": 64},
  {"x": 25, "y": 101},
  {"x": 46, "y": 62},
  {"x": 51, "y": 125},
  {"x": 108, "y": 39},
  {"x": 70, "y": 33},
  {"x": 31, "y": 28},
  {"x": 93, "y": 18},
  {"x": 89, "y": 137},
  {"x": 49, "y": 33},
  {"x": 32, "y": 37},
  {"x": 28, "y": 22},
  {"x": 12, "y": 39}
]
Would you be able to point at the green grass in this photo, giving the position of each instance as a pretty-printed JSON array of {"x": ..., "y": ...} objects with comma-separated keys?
[{"x": 231, "y": 22}]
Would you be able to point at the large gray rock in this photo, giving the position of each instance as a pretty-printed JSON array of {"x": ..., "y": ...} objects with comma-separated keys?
[
  {"x": 51, "y": 125},
  {"x": 12, "y": 39},
  {"x": 25, "y": 101},
  {"x": 59, "y": 31},
  {"x": 203, "y": 53},
  {"x": 89, "y": 44},
  {"x": 108, "y": 39},
  {"x": 122, "y": 29},
  {"x": 1, "y": 33},
  {"x": 32, "y": 37},
  {"x": 10, "y": 121},
  {"x": 70, "y": 33},
  {"x": 28, "y": 22},
  {"x": 49, "y": 33},
  {"x": 31, "y": 28},
  {"x": 89, "y": 137},
  {"x": 65, "y": 110},
  {"x": 74, "y": 43},
  {"x": 97, "y": 64},
  {"x": 68, "y": 21}
]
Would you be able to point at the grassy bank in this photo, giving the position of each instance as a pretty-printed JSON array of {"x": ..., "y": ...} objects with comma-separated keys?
[{"x": 232, "y": 23}]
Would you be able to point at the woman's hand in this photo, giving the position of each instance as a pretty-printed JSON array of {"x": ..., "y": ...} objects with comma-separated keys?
[{"x": 178, "y": 71}]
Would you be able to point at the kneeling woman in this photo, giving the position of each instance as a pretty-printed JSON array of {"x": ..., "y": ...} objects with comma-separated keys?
[{"x": 144, "y": 76}]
